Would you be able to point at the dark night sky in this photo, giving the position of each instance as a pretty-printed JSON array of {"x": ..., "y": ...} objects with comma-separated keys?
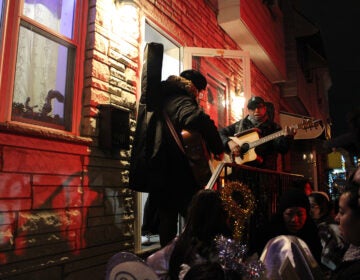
[{"x": 339, "y": 24}]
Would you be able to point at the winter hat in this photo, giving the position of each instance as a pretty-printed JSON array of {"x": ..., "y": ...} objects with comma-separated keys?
[
  {"x": 293, "y": 198},
  {"x": 196, "y": 77}
]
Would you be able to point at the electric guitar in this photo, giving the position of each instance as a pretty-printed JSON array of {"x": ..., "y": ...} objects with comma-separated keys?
[{"x": 249, "y": 139}]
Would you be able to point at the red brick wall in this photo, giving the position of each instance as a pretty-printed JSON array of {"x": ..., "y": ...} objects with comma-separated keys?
[{"x": 266, "y": 23}]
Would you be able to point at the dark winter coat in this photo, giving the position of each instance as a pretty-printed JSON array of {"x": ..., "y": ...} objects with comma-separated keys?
[{"x": 180, "y": 105}]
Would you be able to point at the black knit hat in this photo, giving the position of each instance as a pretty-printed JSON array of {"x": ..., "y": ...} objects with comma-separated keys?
[
  {"x": 293, "y": 198},
  {"x": 196, "y": 77}
]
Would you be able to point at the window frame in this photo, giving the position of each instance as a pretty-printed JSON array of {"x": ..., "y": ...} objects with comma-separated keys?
[
  {"x": 2, "y": 34},
  {"x": 13, "y": 19}
]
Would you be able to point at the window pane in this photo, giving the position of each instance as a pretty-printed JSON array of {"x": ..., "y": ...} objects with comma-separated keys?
[
  {"x": 40, "y": 80},
  {"x": 2, "y": 4},
  {"x": 1, "y": 9},
  {"x": 55, "y": 14}
]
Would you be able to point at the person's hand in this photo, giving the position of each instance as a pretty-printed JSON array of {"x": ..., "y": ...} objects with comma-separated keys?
[
  {"x": 289, "y": 131},
  {"x": 234, "y": 148}
]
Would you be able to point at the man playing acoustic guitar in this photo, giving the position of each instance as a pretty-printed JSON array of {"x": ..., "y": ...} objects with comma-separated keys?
[{"x": 258, "y": 123}]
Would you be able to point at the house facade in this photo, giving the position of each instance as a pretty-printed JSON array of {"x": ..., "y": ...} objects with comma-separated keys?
[{"x": 70, "y": 81}]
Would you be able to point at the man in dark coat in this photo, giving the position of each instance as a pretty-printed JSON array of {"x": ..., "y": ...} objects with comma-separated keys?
[
  {"x": 258, "y": 118},
  {"x": 178, "y": 95}
]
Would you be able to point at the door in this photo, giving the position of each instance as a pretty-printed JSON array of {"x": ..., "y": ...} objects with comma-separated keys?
[{"x": 229, "y": 81}]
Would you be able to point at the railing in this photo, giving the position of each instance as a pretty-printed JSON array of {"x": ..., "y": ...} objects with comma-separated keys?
[{"x": 265, "y": 185}]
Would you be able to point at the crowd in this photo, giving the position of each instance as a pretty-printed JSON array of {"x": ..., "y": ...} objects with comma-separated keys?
[{"x": 304, "y": 238}]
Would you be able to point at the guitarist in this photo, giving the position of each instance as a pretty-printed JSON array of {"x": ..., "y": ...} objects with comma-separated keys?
[
  {"x": 260, "y": 117},
  {"x": 179, "y": 101}
]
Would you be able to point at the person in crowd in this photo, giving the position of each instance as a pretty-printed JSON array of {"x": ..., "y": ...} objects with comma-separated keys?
[
  {"x": 258, "y": 118},
  {"x": 320, "y": 207},
  {"x": 348, "y": 218},
  {"x": 206, "y": 219},
  {"x": 333, "y": 246},
  {"x": 179, "y": 102},
  {"x": 291, "y": 218}
]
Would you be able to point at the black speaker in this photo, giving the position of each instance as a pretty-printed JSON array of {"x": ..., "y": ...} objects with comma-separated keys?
[{"x": 114, "y": 127}]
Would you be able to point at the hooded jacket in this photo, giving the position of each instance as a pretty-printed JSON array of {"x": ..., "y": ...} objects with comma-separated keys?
[{"x": 178, "y": 97}]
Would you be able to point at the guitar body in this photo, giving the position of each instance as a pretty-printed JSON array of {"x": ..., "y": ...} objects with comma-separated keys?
[
  {"x": 249, "y": 139},
  {"x": 250, "y": 155},
  {"x": 198, "y": 156}
]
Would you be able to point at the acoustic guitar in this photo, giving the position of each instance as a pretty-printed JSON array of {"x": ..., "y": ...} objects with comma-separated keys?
[
  {"x": 198, "y": 156},
  {"x": 249, "y": 139},
  {"x": 202, "y": 164}
]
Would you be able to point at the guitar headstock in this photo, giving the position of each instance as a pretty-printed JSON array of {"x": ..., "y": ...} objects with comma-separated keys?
[{"x": 309, "y": 124}]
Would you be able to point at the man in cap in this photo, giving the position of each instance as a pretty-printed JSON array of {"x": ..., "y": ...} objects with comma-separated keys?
[{"x": 260, "y": 119}]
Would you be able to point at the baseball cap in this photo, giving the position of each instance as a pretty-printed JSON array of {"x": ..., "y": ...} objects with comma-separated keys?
[{"x": 254, "y": 102}]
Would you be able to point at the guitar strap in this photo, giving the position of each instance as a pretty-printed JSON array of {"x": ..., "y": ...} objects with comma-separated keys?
[
  {"x": 240, "y": 129},
  {"x": 173, "y": 133},
  {"x": 200, "y": 168}
]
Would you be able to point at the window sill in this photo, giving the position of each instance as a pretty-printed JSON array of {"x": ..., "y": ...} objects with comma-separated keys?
[{"x": 41, "y": 132}]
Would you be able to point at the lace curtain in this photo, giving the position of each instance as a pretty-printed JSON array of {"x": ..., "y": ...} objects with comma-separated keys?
[{"x": 37, "y": 57}]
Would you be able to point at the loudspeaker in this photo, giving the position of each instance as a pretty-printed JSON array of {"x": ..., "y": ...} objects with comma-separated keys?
[{"x": 114, "y": 127}]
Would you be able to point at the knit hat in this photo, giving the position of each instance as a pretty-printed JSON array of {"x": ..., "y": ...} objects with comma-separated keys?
[
  {"x": 196, "y": 77},
  {"x": 293, "y": 198}
]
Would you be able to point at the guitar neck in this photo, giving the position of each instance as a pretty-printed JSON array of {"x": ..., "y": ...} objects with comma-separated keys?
[
  {"x": 306, "y": 124},
  {"x": 266, "y": 138}
]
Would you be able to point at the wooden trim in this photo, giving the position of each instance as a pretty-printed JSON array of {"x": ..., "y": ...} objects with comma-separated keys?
[
  {"x": 11, "y": 31},
  {"x": 41, "y": 132},
  {"x": 81, "y": 34}
]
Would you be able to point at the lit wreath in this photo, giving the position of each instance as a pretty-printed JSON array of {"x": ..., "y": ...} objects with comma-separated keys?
[{"x": 239, "y": 211}]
